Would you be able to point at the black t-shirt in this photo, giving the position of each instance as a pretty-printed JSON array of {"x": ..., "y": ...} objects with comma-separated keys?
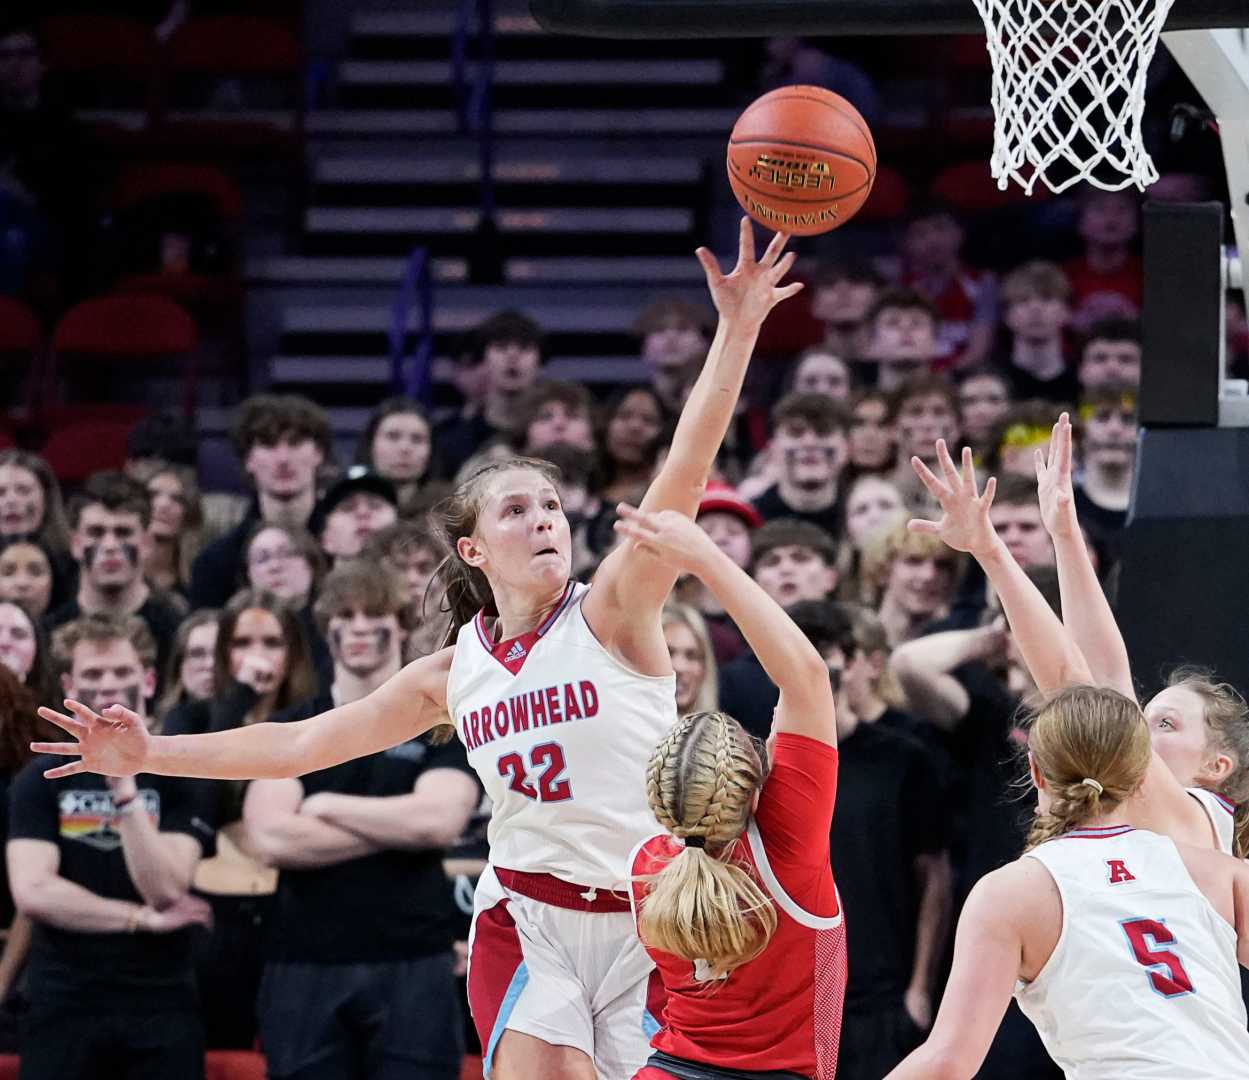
[
  {"x": 392, "y": 905},
  {"x": 7, "y": 910},
  {"x": 1105, "y": 526},
  {"x": 748, "y": 695},
  {"x": 458, "y": 438},
  {"x": 889, "y": 812},
  {"x": 162, "y": 620},
  {"x": 988, "y": 746},
  {"x": 108, "y": 970},
  {"x": 832, "y": 518}
]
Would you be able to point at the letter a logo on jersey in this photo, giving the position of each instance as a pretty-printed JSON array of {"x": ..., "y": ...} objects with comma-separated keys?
[{"x": 1119, "y": 872}]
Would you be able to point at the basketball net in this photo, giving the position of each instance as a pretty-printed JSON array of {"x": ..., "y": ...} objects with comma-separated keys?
[{"x": 1069, "y": 90}]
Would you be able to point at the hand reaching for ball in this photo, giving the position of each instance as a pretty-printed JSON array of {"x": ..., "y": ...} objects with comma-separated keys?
[{"x": 752, "y": 288}]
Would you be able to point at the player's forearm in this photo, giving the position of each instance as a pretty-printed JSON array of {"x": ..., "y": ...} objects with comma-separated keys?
[
  {"x": 303, "y": 842},
  {"x": 1088, "y": 617},
  {"x": 935, "y": 904},
  {"x": 705, "y": 419},
  {"x": 930, "y": 1062},
  {"x": 158, "y": 877},
  {"x": 788, "y": 658},
  {"x": 1048, "y": 650},
  {"x": 410, "y": 822},
  {"x": 940, "y": 654},
  {"x": 67, "y": 906}
]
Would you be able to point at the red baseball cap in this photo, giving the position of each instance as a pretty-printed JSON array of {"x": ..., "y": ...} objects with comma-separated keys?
[{"x": 724, "y": 499}]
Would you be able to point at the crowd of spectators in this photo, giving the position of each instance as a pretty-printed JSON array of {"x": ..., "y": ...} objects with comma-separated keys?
[
  {"x": 312, "y": 913},
  {"x": 323, "y": 915}
]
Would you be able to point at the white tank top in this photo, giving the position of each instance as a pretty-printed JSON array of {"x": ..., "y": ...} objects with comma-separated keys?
[
  {"x": 1222, "y": 815},
  {"x": 1143, "y": 983},
  {"x": 559, "y": 732}
]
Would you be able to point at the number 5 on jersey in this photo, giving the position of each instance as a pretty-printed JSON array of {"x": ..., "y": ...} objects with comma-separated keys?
[
  {"x": 552, "y": 785},
  {"x": 1166, "y": 971}
]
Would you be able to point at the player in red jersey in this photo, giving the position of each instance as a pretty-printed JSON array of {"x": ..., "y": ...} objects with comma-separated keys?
[{"x": 736, "y": 902}]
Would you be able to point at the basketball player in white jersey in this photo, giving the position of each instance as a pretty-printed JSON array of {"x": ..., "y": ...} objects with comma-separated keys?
[
  {"x": 1199, "y": 726},
  {"x": 1121, "y": 945},
  {"x": 559, "y": 693}
]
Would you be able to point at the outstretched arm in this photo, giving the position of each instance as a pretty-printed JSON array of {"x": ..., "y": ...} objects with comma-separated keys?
[
  {"x": 790, "y": 660},
  {"x": 1047, "y": 648},
  {"x": 1086, "y": 611},
  {"x": 117, "y": 742},
  {"x": 631, "y": 585}
]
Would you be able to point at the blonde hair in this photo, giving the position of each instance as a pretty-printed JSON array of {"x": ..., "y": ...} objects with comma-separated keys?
[
  {"x": 1227, "y": 717},
  {"x": 897, "y": 542},
  {"x": 708, "y": 697},
  {"x": 1091, "y": 747},
  {"x": 700, "y": 782}
]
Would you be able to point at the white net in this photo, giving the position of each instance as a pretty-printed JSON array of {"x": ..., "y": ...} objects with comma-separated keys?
[{"x": 1069, "y": 90}]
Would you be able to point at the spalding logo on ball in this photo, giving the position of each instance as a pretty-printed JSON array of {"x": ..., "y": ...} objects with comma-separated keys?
[{"x": 801, "y": 160}]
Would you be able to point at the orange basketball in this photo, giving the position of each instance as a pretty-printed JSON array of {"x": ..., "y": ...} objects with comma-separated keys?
[{"x": 801, "y": 160}]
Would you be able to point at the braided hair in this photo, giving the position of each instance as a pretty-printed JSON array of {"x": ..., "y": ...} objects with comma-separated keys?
[{"x": 702, "y": 906}]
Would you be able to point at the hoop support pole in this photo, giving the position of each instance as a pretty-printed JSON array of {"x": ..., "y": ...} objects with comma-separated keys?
[{"x": 1217, "y": 62}]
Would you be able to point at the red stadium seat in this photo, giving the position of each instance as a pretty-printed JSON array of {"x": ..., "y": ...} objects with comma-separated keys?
[
  {"x": 970, "y": 188},
  {"x": 21, "y": 349},
  {"x": 143, "y": 182},
  {"x": 234, "y": 45},
  {"x": 98, "y": 43},
  {"x": 9, "y": 1066},
  {"x": 76, "y": 450},
  {"x": 234, "y": 1065},
  {"x": 118, "y": 330},
  {"x": 888, "y": 200}
]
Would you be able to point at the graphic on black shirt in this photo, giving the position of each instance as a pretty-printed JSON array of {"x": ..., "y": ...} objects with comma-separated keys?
[{"x": 89, "y": 816}]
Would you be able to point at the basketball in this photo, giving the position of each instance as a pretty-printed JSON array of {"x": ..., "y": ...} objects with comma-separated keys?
[{"x": 801, "y": 160}]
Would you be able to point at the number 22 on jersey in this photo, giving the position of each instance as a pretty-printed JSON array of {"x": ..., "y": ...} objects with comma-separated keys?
[
  {"x": 1146, "y": 938},
  {"x": 552, "y": 785}
]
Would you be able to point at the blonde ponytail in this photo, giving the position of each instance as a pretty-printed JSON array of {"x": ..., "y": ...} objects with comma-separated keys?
[
  {"x": 701, "y": 782},
  {"x": 1092, "y": 748}
]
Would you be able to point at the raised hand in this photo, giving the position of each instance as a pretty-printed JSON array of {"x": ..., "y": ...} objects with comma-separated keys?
[
  {"x": 113, "y": 744},
  {"x": 1053, "y": 481},
  {"x": 752, "y": 288},
  {"x": 668, "y": 535},
  {"x": 964, "y": 523}
]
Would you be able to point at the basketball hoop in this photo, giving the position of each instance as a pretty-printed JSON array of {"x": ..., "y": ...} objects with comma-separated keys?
[{"x": 1069, "y": 90}]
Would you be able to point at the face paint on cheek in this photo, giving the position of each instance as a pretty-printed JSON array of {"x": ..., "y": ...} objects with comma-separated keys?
[
  {"x": 129, "y": 697},
  {"x": 131, "y": 552},
  {"x": 383, "y": 640},
  {"x": 89, "y": 554}
]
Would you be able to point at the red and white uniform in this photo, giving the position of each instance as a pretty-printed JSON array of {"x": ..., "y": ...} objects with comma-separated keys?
[
  {"x": 1143, "y": 983},
  {"x": 559, "y": 732},
  {"x": 782, "y": 1010},
  {"x": 1222, "y": 815}
]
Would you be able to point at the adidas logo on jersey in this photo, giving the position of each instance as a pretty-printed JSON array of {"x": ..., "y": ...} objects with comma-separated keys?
[{"x": 515, "y": 653}]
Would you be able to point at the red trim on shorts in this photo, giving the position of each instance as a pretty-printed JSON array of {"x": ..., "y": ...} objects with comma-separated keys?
[
  {"x": 495, "y": 957},
  {"x": 561, "y": 894}
]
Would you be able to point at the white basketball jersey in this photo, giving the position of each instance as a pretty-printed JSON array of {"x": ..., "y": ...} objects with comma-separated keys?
[
  {"x": 1143, "y": 983},
  {"x": 1222, "y": 815},
  {"x": 560, "y": 733}
]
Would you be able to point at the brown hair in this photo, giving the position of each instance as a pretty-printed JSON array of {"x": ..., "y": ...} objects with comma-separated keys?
[
  {"x": 817, "y": 411},
  {"x": 870, "y": 637},
  {"x": 663, "y": 310},
  {"x": 792, "y": 532},
  {"x": 116, "y": 492},
  {"x": 700, "y": 782},
  {"x": 393, "y": 406},
  {"x": 897, "y": 299},
  {"x": 361, "y": 583},
  {"x": 921, "y": 386},
  {"x": 1033, "y": 280},
  {"x": 1091, "y": 747},
  {"x": 300, "y": 682},
  {"x": 190, "y": 539},
  {"x": 1227, "y": 718},
  {"x": 267, "y": 418},
  {"x": 573, "y": 396},
  {"x": 173, "y": 695},
  {"x": 100, "y": 630},
  {"x": 53, "y": 530},
  {"x": 19, "y": 723}
]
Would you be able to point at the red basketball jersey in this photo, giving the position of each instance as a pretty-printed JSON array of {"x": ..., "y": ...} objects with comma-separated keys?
[{"x": 782, "y": 1010}]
